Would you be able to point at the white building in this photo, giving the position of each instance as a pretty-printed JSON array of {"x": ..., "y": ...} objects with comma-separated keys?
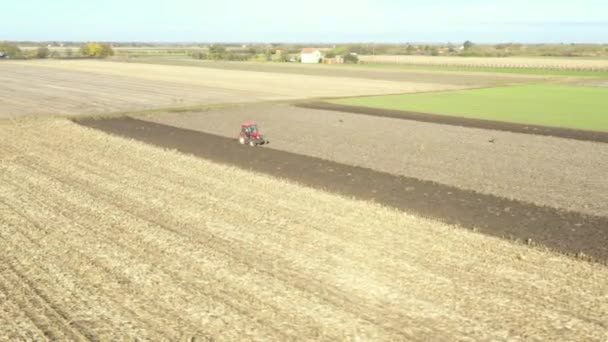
[{"x": 311, "y": 55}]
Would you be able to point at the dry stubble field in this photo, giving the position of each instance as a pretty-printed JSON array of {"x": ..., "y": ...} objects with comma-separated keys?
[
  {"x": 105, "y": 238},
  {"x": 39, "y": 88},
  {"x": 133, "y": 241}
]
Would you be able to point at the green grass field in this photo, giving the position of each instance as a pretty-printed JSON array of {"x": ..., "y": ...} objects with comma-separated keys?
[{"x": 546, "y": 105}]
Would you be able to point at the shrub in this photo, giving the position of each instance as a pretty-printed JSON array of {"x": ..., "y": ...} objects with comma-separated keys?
[
  {"x": 351, "y": 58},
  {"x": 96, "y": 50},
  {"x": 217, "y": 52},
  {"x": 42, "y": 52}
]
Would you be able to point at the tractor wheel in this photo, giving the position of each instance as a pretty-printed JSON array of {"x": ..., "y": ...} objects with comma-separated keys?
[
  {"x": 252, "y": 143},
  {"x": 241, "y": 140}
]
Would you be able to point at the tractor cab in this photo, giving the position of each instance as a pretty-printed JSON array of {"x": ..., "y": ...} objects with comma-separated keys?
[
  {"x": 250, "y": 129},
  {"x": 251, "y": 135}
]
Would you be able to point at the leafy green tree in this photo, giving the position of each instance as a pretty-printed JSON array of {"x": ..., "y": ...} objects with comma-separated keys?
[
  {"x": 96, "y": 50},
  {"x": 43, "y": 52},
  {"x": 282, "y": 57},
  {"x": 106, "y": 50},
  {"x": 217, "y": 52},
  {"x": 351, "y": 58},
  {"x": 468, "y": 45},
  {"x": 11, "y": 50}
]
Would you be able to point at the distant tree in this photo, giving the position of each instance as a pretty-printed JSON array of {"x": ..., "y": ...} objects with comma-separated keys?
[
  {"x": 468, "y": 45},
  {"x": 341, "y": 50},
  {"x": 11, "y": 50},
  {"x": 351, "y": 58},
  {"x": 43, "y": 52},
  {"x": 282, "y": 57},
  {"x": 330, "y": 54},
  {"x": 106, "y": 50},
  {"x": 69, "y": 52},
  {"x": 410, "y": 49},
  {"x": 96, "y": 50},
  {"x": 434, "y": 51},
  {"x": 198, "y": 54},
  {"x": 217, "y": 52}
]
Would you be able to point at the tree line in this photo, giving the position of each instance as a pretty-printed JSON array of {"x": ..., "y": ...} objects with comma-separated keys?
[{"x": 92, "y": 49}]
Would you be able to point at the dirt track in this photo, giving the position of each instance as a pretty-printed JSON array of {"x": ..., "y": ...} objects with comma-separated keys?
[
  {"x": 109, "y": 239},
  {"x": 465, "y": 122},
  {"x": 547, "y": 171},
  {"x": 566, "y": 232}
]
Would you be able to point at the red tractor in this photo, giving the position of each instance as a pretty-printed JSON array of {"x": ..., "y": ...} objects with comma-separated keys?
[{"x": 250, "y": 135}]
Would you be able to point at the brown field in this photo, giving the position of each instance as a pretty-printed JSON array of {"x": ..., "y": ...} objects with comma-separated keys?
[
  {"x": 547, "y": 171},
  {"x": 564, "y": 231},
  {"x": 40, "y": 88},
  {"x": 346, "y": 227},
  {"x": 105, "y": 238},
  {"x": 495, "y": 62}
]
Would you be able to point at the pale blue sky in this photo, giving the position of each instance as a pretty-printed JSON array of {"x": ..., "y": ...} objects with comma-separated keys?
[{"x": 307, "y": 20}]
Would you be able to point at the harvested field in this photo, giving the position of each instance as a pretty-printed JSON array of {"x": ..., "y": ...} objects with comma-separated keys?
[
  {"x": 547, "y": 171},
  {"x": 27, "y": 89},
  {"x": 460, "y": 79},
  {"x": 108, "y": 238},
  {"x": 566, "y": 232},
  {"x": 90, "y": 86},
  {"x": 495, "y": 62}
]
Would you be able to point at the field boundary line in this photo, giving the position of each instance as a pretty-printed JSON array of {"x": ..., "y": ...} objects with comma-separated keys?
[{"x": 558, "y": 132}]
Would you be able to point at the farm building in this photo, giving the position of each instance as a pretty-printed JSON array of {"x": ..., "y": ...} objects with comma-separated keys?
[{"x": 311, "y": 55}]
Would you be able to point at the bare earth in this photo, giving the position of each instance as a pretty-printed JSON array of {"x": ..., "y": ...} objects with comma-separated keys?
[
  {"x": 108, "y": 238},
  {"x": 79, "y": 87},
  {"x": 548, "y": 171}
]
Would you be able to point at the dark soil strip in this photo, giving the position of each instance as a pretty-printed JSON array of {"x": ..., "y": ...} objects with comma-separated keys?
[
  {"x": 466, "y": 122},
  {"x": 567, "y": 232}
]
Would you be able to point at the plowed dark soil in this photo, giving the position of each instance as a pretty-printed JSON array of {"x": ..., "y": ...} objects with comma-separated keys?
[
  {"x": 567, "y": 232},
  {"x": 465, "y": 122}
]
